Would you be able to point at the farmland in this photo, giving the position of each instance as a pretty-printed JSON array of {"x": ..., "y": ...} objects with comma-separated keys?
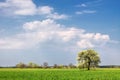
[{"x": 59, "y": 74}]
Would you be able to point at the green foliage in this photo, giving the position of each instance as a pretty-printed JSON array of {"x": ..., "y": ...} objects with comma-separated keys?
[
  {"x": 71, "y": 65},
  {"x": 32, "y": 65},
  {"x": 59, "y": 74},
  {"x": 21, "y": 65},
  {"x": 88, "y": 58}
]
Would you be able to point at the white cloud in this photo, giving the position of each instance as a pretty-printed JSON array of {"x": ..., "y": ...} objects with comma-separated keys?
[
  {"x": 86, "y": 12},
  {"x": 44, "y": 25},
  {"x": 49, "y": 12},
  {"x": 89, "y": 11},
  {"x": 57, "y": 16},
  {"x": 90, "y": 40},
  {"x": 84, "y": 43},
  {"x": 9, "y": 43},
  {"x": 45, "y": 10},
  {"x": 18, "y": 7},
  {"x": 39, "y": 32},
  {"x": 27, "y": 7},
  {"x": 81, "y": 5},
  {"x": 99, "y": 36}
]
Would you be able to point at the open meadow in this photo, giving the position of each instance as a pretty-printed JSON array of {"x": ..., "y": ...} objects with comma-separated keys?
[
  {"x": 59, "y": 74},
  {"x": 59, "y": 39}
]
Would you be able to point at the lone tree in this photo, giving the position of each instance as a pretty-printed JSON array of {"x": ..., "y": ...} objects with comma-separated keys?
[{"x": 88, "y": 58}]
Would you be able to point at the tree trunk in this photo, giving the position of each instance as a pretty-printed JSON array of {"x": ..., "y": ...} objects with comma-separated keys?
[{"x": 88, "y": 65}]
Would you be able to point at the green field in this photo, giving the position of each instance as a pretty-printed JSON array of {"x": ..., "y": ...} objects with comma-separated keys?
[{"x": 59, "y": 74}]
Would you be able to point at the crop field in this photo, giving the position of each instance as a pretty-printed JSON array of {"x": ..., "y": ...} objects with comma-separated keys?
[{"x": 59, "y": 74}]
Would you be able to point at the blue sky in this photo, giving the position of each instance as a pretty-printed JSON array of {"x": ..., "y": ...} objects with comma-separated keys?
[{"x": 54, "y": 31}]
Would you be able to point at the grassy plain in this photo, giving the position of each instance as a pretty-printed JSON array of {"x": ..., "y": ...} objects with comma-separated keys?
[{"x": 59, "y": 74}]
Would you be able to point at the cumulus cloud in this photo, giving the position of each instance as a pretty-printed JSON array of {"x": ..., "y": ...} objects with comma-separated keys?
[
  {"x": 91, "y": 40},
  {"x": 27, "y": 7},
  {"x": 45, "y": 10},
  {"x": 18, "y": 7},
  {"x": 39, "y": 32},
  {"x": 44, "y": 25},
  {"x": 84, "y": 43}
]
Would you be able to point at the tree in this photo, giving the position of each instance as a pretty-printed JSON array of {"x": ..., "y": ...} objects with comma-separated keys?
[
  {"x": 33, "y": 65},
  {"x": 61, "y": 66},
  {"x": 71, "y": 65},
  {"x": 88, "y": 58},
  {"x": 20, "y": 65},
  {"x": 55, "y": 66},
  {"x": 45, "y": 65}
]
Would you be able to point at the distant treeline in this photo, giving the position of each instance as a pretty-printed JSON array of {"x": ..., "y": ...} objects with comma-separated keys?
[
  {"x": 46, "y": 65},
  {"x": 110, "y": 66}
]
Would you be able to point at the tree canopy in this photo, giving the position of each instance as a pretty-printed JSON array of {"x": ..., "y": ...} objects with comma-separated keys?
[{"x": 88, "y": 58}]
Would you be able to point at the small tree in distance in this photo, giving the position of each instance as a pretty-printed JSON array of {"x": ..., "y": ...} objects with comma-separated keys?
[
  {"x": 20, "y": 65},
  {"x": 45, "y": 65},
  {"x": 32, "y": 65},
  {"x": 88, "y": 58},
  {"x": 71, "y": 65},
  {"x": 55, "y": 66}
]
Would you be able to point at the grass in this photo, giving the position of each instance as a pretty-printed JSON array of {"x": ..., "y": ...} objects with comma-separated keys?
[{"x": 59, "y": 74}]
